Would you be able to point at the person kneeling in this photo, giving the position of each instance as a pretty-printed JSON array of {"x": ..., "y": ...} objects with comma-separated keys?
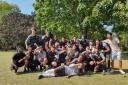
[
  {"x": 99, "y": 60},
  {"x": 18, "y": 59}
]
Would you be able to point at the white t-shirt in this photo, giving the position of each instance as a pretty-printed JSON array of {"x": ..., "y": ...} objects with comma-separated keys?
[
  {"x": 71, "y": 70},
  {"x": 114, "y": 44},
  {"x": 40, "y": 55}
]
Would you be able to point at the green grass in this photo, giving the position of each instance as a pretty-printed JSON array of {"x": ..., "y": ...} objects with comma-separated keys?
[{"x": 8, "y": 77}]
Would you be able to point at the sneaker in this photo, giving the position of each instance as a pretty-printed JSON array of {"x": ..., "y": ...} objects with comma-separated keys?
[
  {"x": 41, "y": 68},
  {"x": 40, "y": 77},
  {"x": 44, "y": 68},
  {"x": 94, "y": 72},
  {"x": 103, "y": 72},
  {"x": 108, "y": 71},
  {"x": 112, "y": 71},
  {"x": 12, "y": 68},
  {"x": 121, "y": 71},
  {"x": 25, "y": 70},
  {"x": 15, "y": 70}
]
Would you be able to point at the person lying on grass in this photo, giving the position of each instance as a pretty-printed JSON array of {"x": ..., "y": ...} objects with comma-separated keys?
[{"x": 69, "y": 71}]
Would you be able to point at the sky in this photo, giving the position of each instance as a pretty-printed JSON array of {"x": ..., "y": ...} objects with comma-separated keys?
[
  {"x": 108, "y": 27},
  {"x": 24, "y": 5}
]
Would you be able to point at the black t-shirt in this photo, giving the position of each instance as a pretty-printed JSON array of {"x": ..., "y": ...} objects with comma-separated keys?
[
  {"x": 31, "y": 56},
  {"x": 104, "y": 46},
  {"x": 18, "y": 56},
  {"x": 51, "y": 56},
  {"x": 63, "y": 43},
  {"x": 45, "y": 38},
  {"x": 62, "y": 57},
  {"x": 98, "y": 58},
  {"x": 33, "y": 39}
]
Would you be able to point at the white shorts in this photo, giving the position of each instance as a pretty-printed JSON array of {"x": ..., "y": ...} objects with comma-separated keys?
[{"x": 116, "y": 55}]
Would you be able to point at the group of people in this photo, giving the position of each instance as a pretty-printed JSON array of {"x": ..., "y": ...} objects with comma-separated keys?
[{"x": 64, "y": 57}]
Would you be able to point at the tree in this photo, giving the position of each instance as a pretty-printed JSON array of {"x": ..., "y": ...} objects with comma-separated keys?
[
  {"x": 67, "y": 17},
  {"x": 14, "y": 29},
  {"x": 114, "y": 12},
  {"x": 78, "y": 17},
  {"x": 6, "y": 8}
]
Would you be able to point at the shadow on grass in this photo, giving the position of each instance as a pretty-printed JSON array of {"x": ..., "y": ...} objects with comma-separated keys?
[
  {"x": 117, "y": 71},
  {"x": 29, "y": 72},
  {"x": 126, "y": 70}
]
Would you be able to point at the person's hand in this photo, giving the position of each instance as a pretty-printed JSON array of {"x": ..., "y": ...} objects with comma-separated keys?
[
  {"x": 98, "y": 62},
  {"x": 69, "y": 76},
  {"x": 20, "y": 60},
  {"x": 26, "y": 47},
  {"x": 102, "y": 51},
  {"x": 35, "y": 52}
]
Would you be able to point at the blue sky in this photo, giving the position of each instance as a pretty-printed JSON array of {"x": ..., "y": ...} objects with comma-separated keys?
[{"x": 24, "y": 5}]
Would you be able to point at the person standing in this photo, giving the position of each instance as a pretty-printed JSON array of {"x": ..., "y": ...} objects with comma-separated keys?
[
  {"x": 115, "y": 52},
  {"x": 32, "y": 39}
]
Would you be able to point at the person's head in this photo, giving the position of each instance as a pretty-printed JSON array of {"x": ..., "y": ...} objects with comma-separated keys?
[
  {"x": 87, "y": 49},
  {"x": 109, "y": 35},
  {"x": 54, "y": 64},
  {"x": 80, "y": 46},
  {"x": 63, "y": 48},
  {"x": 33, "y": 29},
  {"x": 74, "y": 38},
  {"x": 63, "y": 39},
  {"x": 19, "y": 49},
  {"x": 97, "y": 51},
  {"x": 97, "y": 42},
  {"x": 74, "y": 47},
  {"x": 69, "y": 45},
  {"x": 80, "y": 58},
  {"x": 52, "y": 49},
  {"x": 82, "y": 37},
  {"x": 55, "y": 37},
  {"x": 30, "y": 48},
  {"x": 41, "y": 48},
  {"x": 56, "y": 44},
  {"x": 48, "y": 34},
  {"x": 91, "y": 43}
]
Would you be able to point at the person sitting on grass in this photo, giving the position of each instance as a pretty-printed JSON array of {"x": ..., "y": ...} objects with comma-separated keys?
[
  {"x": 106, "y": 50},
  {"x": 18, "y": 59},
  {"x": 52, "y": 56},
  {"x": 40, "y": 57},
  {"x": 29, "y": 60},
  {"x": 69, "y": 71},
  {"x": 62, "y": 55}
]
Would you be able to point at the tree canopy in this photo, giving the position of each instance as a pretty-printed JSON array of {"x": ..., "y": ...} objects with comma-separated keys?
[
  {"x": 82, "y": 17},
  {"x": 14, "y": 29},
  {"x": 68, "y": 18},
  {"x": 6, "y": 8}
]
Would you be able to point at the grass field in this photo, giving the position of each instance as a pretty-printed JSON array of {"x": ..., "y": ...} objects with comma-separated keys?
[{"x": 8, "y": 77}]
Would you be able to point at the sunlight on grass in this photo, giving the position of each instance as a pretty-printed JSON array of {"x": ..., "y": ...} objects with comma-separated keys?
[{"x": 8, "y": 77}]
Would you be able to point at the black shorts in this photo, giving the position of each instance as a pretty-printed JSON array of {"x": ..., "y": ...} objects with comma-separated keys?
[
  {"x": 86, "y": 64},
  {"x": 20, "y": 64},
  {"x": 100, "y": 67},
  {"x": 60, "y": 71}
]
